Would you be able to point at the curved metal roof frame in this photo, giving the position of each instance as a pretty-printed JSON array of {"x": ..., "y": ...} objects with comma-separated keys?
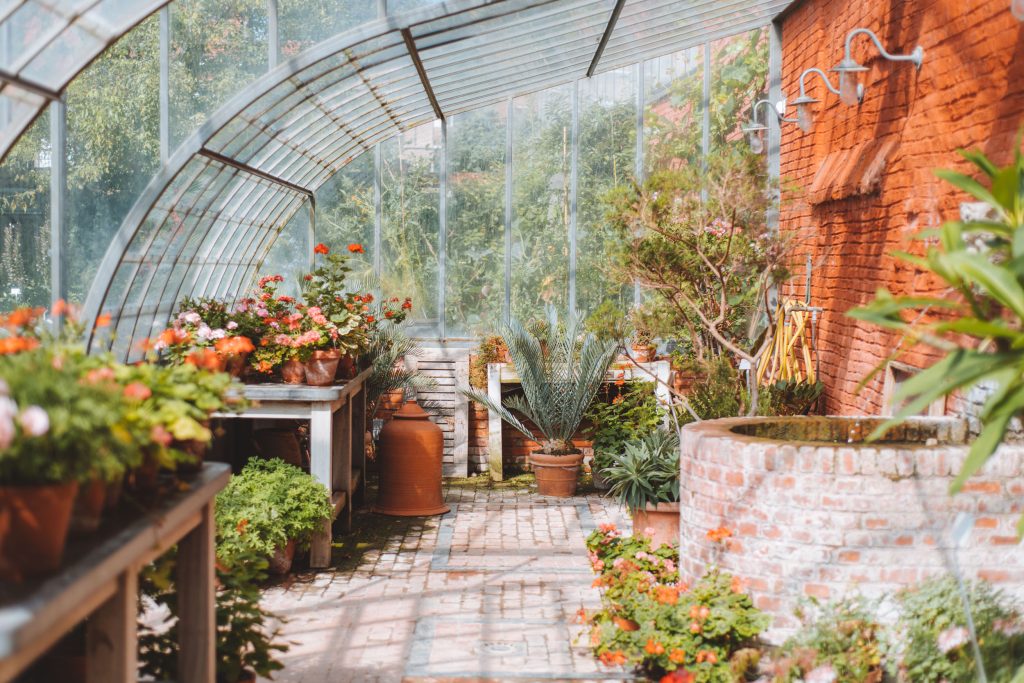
[
  {"x": 56, "y": 41},
  {"x": 208, "y": 219}
]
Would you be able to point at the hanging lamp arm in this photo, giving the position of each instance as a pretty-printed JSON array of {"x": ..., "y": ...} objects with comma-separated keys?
[{"x": 916, "y": 56}]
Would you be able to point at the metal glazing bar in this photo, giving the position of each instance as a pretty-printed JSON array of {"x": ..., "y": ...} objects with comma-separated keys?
[
  {"x": 574, "y": 143},
  {"x": 638, "y": 169},
  {"x": 608, "y": 30},
  {"x": 273, "y": 37},
  {"x": 414, "y": 55},
  {"x": 377, "y": 209},
  {"x": 30, "y": 86},
  {"x": 165, "y": 85},
  {"x": 382, "y": 8},
  {"x": 705, "y": 108},
  {"x": 311, "y": 235},
  {"x": 245, "y": 168},
  {"x": 58, "y": 198},
  {"x": 507, "y": 305},
  {"x": 442, "y": 246}
]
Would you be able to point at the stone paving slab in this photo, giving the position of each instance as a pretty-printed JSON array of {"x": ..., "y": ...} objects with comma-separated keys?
[{"x": 485, "y": 593}]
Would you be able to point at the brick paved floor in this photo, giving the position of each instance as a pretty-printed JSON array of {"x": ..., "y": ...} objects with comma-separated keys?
[{"x": 485, "y": 593}]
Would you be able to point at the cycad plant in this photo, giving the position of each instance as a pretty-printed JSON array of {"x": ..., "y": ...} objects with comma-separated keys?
[
  {"x": 647, "y": 471},
  {"x": 560, "y": 372}
]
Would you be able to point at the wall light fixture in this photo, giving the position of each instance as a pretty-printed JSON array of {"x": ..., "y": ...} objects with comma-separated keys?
[
  {"x": 804, "y": 111},
  {"x": 755, "y": 129},
  {"x": 849, "y": 69}
]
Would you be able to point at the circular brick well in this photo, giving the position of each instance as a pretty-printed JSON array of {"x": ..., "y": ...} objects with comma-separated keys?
[{"x": 817, "y": 512}]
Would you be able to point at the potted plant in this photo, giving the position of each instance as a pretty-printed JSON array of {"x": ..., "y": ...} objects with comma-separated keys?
[
  {"x": 622, "y": 410},
  {"x": 643, "y": 336},
  {"x": 270, "y": 508},
  {"x": 608, "y": 322},
  {"x": 645, "y": 478},
  {"x": 560, "y": 376},
  {"x": 492, "y": 349}
]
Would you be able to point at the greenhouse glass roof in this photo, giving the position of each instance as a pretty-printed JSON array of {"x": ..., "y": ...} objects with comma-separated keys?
[{"x": 208, "y": 218}]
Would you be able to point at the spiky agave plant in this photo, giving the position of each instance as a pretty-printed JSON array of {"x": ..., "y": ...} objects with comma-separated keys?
[{"x": 560, "y": 375}]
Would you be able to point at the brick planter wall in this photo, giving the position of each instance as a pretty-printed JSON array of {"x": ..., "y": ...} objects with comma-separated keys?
[
  {"x": 823, "y": 518},
  {"x": 850, "y": 216}
]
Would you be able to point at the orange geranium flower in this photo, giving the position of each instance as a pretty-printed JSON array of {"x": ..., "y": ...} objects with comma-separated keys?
[
  {"x": 613, "y": 658},
  {"x": 11, "y": 345},
  {"x": 653, "y": 647},
  {"x": 677, "y": 656},
  {"x": 137, "y": 391},
  {"x": 356, "y": 248},
  {"x": 626, "y": 624},
  {"x": 205, "y": 359},
  {"x": 737, "y": 584},
  {"x": 173, "y": 337},
  {"x": 22, "y": 317},
  {"x": 233, "y": 346},
  {"x": 321, "y": 249},
  {"x": 666, "y": 595},
  {"x": 678, "y": 676},
  {"x": 719, "y": 535},
  {"x": 707, "y": 656}
]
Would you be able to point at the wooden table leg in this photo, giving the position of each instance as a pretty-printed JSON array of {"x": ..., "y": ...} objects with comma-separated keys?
[
  {"x": 343, "y": 455},
  {"x": 320, "y": 466},
  {"x": 197, "y": 602},
  {"x": 111, "y": 635},
  {"x": 358, "y": 434}
]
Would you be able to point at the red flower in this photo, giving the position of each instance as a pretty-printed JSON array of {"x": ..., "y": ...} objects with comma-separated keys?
[
  {"x": 370, "y": 319},
  {"x": 320, "y": 249},
  {"x": 356, "y": 248},
  {"x": 138, "y": 391},
  {"x": 103, "y": 320},
  {"x": 307, "y": 278},
  {"x": 407, "y": 304},
  {"x": 678, "y": 676}
]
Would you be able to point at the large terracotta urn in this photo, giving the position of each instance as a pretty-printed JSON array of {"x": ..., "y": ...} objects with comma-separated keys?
[
  {"x": 409, "y": 461},
  {"x": 660, "y": 521}
]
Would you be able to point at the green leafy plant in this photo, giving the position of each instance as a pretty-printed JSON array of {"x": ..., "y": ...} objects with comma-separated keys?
[
  {"x": 244, "y": 639},
  {"x": 492, "y": 349},
  {"x": 267, "y": 504},
  {"x": 789, "y": 397},
  {"x": 609, "y": 322},
  {"x": 720, "y": 394},
  {"x": 652, "y": 621},
  {"x": 388, "y": 347},
  {"x": 622, "y": 410},
  {"x": 560, "y": 376},
  {"x": 841, "y": 640},
  {"x": 977, "y": 324},
  {"x": 935, "y": 643},
  {"x": 647, "y": 471}
]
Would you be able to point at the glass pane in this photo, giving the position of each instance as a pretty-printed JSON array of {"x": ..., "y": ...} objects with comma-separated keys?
[
  {"x": 113, "y": 147},
  {"x": 217, "y": 48},
  {"x": 540, "y": 202},
  {"x": 410, "y": 229},
  {"x": 303, "y": 23},
  {"x": 607, "y": 158},
  {"x": 673, "y": 93},
  {"x": 25, "y": 220},
  {"x": 475, "y": 239},
  {"x": 345, "y": 212},
  {"x": 396, "y": 6},
  {"x": 739, "y": 77},
  {"x": 289, "y": 254}
]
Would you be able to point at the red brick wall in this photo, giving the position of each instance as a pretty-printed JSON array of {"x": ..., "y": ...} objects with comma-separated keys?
[{"x": 969, "y": 93}]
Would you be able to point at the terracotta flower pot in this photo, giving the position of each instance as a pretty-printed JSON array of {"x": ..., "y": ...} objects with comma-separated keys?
[
  {"x": 409, "y": 461},
  {"x": 556, "y": 474},
  {"x": 236, "y": 363},
  {"x": 89, "y": 504},
  {"x": 278, "y": 442},
  {"x": 115, "y": 488},
  {"x": 38, "y": 519},
  {"x": 293, "y": 372},
  {"x": 322, "y": 367},
  {"x": 346, "y": 367},
  {"x": 663, "y": 519},
  {"x": 281, "y": 561},
  {"x": 146, "y": 477},
  {"x": 644, "y": 354}
]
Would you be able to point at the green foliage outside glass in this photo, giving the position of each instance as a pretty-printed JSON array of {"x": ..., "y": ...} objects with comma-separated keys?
[
  {"x": 620, "y": 413},
  {"x": 266, "y": 505},
  {"x": 646, "y": 471},
  {"x": 977, "y": 323}
]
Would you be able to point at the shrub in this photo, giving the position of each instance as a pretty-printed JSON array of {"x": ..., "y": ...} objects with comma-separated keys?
[
  {"x": 266, "y": 505},
  {"x": 840, "y": 641},
  {"x": 647, "y": 472},
  {"x": 622, "y": 411},
  {"x": 936, "y": 643},
  {"x": 649, "y": 619}
]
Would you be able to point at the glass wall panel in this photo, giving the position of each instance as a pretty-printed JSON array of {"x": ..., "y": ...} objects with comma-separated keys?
[
  {"x": 217, "y": 47},
  {"x": 345, "y": 212},
  {"x": 113, "y": 142},
  {"x": 475, "y": 239},
  {"x": 410, "y": 229},
  {"x": 541, "y": 160},
  {"x": 396, "y": 6},
  {"x": 289, "y": 256},
  {"x": 303, "y": 23},
  {"x": 673, "y": 116},
  {"x": 607, "y": 158},
  {"x": 25, "y": 219},
  {"x": 739, "y": 77}
]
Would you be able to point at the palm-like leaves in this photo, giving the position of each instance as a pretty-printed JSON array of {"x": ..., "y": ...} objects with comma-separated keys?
[
  {"x": 560, "y": 376},
  {"x": 984, "y": 262},
  {"x": 647, "y": 471},
  {"x": 388, "y": 345}
]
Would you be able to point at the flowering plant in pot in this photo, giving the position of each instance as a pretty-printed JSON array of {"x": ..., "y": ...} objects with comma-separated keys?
[
  {"x": 645, "y": 478},
  {"x": 348, "y": 314},
  {"x": 560, "y": 376},
  {"x": 270, "y": 508},
  {"x": 204, "y": 324}
]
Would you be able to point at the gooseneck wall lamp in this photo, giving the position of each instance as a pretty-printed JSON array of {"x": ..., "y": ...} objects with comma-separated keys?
[
  {"x": 755, "y": 129},
  {"x": 1017, "y": 7},
  {"x": 804, "y": 103},
  {"x": 849, "y": 69}
]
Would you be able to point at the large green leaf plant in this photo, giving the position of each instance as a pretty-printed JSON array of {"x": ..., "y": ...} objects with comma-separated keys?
[{"x": 978, "y": 323}]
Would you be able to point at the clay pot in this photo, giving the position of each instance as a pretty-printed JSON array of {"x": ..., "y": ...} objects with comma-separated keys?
[
  {"x": 663, "y": 518},
  {"x": 346, "y": 367},
  {"x": 644, "y": 354},
  {"x": 38, "y": 519},
  {"x": 409, "y": 461},
  {"x": 556, "y": 474},
  {"x": 322, "y": 367},
  {"x": 146, "y": 477},
  {"x": 281, "y": 561},
  {"x": 293, "y": 372},
  {"x": 236, "y": 363},
  {"x": 115, "y": 487},
  {"x": 278, "y": 442},
  {"x": 87, "y": 513}
]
